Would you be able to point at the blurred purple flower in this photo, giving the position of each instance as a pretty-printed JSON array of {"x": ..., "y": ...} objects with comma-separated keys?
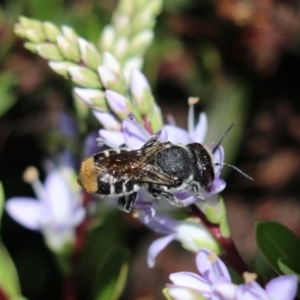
[
  {"x": 68, "y": 126},
  {"x": 56, "y": 212},
  {"x": 214, "y": 283},
  {"x": 283, "y": 287}
]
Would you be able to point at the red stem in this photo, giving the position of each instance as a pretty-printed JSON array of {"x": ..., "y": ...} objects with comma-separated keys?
[
  {"x": 3, "y": 296},
  {"x": 69, "y": 291},
  {"x": 147, "y": 125},
  {"x": 227, "y": 243}
]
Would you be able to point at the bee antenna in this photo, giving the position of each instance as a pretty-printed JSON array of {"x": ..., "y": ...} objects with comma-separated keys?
[
  {"x": 223, "y": 138},
  {"x": 235, "y": 168}
]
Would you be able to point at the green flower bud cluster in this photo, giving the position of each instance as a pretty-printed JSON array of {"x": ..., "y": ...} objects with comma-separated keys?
[
  {"x": 131, "y": 31},
  {"x": 122, "y": 46}
]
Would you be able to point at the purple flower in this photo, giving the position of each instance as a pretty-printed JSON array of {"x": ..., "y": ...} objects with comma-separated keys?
[
  {"x": 57, "y": 210},
  {"x": 192, "y": 235},
  {"x": 214, "y": 283}
]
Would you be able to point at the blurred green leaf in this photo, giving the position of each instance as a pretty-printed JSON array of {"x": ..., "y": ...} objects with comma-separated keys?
[
  {"x": 277, "y": 242},
  {"x": 226, "y": 105},
  {"x": 46, "y": 9},
  {"x": 1, "y": 201},
  {"x": 100, "y": 242},
  {"x": 7, "y": 80},
  {"x": 112, "y": 275},
  {"x": 262, "y": 267},
  {"x": 8, "y": 275},
  {"x": 235, "y": 276}
]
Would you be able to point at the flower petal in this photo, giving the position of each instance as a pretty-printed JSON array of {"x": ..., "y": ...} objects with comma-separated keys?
[
  {"x": 212, "y": 269},
  {"x": 179, "y": 293},
  {"x": 26, "y": 211},
  {"x": 190, "y": 280},
  {"x": 163, "y": 224},
  {"x": 59, "y": 197},
  {"x": 251, "y": 291},
  {"x": 135, "y": 135},
  {"x": 162, "y": 135},
  {"x": 156, "y": 247},
  {"x": 218, "y": 185},
  {"x": 90, "y": 146},
  {"x": 199, "y": 133},
  {"x": 78, "y": 216},
  {"x": 57, "y": 239},
  {"x": 116, "y": 101},
  {"x": 195, "y": 237},
  {"x": 223, "y": 291},
  {"x": 282, "y": 287},
  {"x": 138, "y": 83},
  {"x": 112, "y": 138},
  {"x": 108, "y": 120},
  {"x": 177, "y": 134}
]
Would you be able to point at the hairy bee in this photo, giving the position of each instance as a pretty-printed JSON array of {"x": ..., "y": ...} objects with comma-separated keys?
[{"x": 161, "y": 168}]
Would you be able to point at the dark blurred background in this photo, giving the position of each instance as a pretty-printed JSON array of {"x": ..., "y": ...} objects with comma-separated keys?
[{"x": 241, "y": 57}]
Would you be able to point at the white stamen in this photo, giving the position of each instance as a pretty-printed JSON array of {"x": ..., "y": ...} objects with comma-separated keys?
[
  {"x": 31, "y": 176},
  {"x": 191, "y": 114}
]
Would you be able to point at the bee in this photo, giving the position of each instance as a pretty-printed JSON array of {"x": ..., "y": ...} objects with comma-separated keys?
[{"x": 160, "y": 168}]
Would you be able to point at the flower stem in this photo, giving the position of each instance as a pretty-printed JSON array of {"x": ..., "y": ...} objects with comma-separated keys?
[{"x": 227, "y": 243}]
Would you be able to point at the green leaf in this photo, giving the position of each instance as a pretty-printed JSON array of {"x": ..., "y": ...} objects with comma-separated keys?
[
  {"x": 288, "y": 267},
  {"x": 8, "y": 275},
  {"x": 277, "y": 242},
  {"x": 113, "y": 274}
]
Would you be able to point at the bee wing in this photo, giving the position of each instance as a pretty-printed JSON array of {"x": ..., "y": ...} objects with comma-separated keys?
[{"x": 150, "y": 173}]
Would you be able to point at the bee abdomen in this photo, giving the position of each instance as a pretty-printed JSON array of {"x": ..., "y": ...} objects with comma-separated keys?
[{"x": 104, "y": 188}]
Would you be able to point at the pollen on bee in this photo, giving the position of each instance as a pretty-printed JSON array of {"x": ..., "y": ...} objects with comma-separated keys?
[{"x": 87, "y": 176}]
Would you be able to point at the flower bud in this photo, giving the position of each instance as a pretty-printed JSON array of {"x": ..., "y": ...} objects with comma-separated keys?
[
  {"x": 140, "y": 42},
  {"x": 51, "y": 31},
  {"x": 107, "y": 38},
  {"x": 70, "y": 34},
  {"x": 89, "y": 54},
  {"x": 68, "y": 50},
  {"x": 85, "y": 77},
  {"x": 141, "y": 92},
  {"x": 61, "y": 67},
  {"x": 92, "y": 97},
  {"x": 49, "y": 51}
]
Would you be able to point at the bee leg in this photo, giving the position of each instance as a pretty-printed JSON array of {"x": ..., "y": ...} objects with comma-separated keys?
[
  {"x": 172, "y": 199},
  {"x": 197, "y": 191},
  {"x": 126, "y": 203},
  {"x": 151, "y": 141},
  {"x": 156, "y": 193}
]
